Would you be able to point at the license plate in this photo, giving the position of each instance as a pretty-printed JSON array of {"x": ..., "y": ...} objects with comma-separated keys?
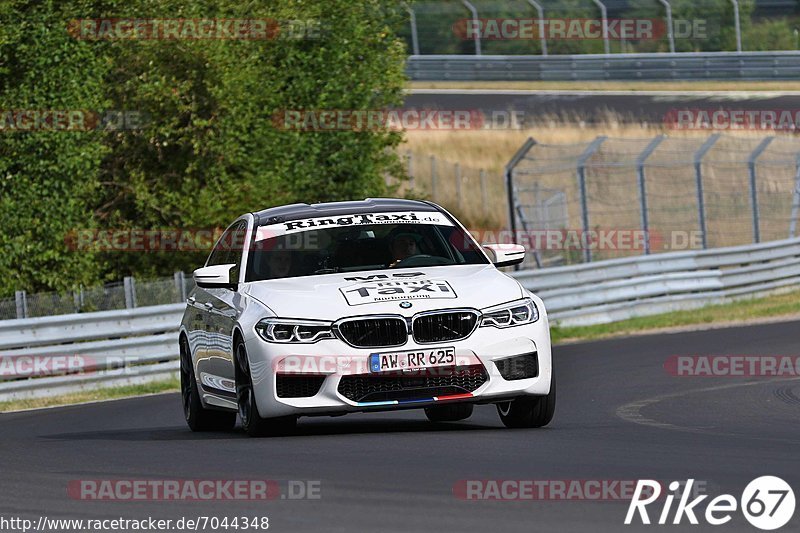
[{"x": 412, "y": 360}]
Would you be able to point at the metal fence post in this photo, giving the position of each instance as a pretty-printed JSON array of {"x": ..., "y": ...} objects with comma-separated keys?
[
  {"x": 640, "y": 174},
  {"x": 509, "y": 182},
  {"x": 458, "y": 185},
  {"x": 180, "y": 284},
  {"x": 542, "y": 32},
  {"x": 476, "y": 23},
  {"x": 698, "y": 173},
  {"x": 433, "y": 178},
  {"x": 484, "y": 195},
  {"x": 410, "y": 169},
  {"x": 414, "y": 35},
  {"x": 751, "y": 165},
  {"x": 796, "y": 200},
  {"x": 737, "y": 25},
  {"x": 581, "y": 171},
  {"x": 21, "y": 299},
  {"x": 130, "y": 292},
  {"x": 670, "y": 28},
  {"x": 604, "y": 14}
]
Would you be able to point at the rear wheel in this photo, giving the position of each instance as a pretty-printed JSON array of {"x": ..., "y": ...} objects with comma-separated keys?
[
  {"x": 252, "y": 422},
  {"x": 198, "y": 418},
  {"x": 449, "y": 413},
  {"x": 529, "y": 411}
]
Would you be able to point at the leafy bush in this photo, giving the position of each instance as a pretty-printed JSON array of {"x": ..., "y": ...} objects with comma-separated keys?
[
  {"x": 48, "y": 179},
  {"x": 207, "y": 151}
]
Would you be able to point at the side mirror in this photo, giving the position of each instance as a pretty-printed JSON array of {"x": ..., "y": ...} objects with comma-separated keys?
[
  {"x": 214, "y": 276},
  {"x": 503, "y": 255}
]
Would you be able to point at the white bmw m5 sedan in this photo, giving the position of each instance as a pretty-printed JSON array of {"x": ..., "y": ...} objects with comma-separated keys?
[{"x": 374, "y": 305}]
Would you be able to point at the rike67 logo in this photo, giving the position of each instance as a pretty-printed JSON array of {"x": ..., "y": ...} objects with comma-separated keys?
[{"x": 767, "y": 503}]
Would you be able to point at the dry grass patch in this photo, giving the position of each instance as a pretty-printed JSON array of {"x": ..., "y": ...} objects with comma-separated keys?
[{"x": 482, "y": 202}]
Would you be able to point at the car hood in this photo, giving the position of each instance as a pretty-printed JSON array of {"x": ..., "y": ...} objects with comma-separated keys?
[{"x": 334, "y": 296}]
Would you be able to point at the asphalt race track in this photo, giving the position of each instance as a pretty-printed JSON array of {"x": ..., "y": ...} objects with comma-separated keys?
[
  {"x": 620, "y": 416},
  {"x": 596, "y": 106}
]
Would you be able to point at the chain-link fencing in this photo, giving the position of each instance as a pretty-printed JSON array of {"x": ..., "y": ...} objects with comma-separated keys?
[
  {"x": 619, "y": 197},
  {"x": 555, "y": 27},
  {"x": 127, "y": 294},
  {"x": 476, "y": 196}
]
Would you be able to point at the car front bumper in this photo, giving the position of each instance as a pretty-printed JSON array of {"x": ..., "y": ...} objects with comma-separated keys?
[{"x": 334, "y": 359}]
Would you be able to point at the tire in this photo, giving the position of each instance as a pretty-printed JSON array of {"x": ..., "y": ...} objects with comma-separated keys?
[
  {"x": 529, "y": 411},
  {"x": 198, "y": 418},
  {"x": 449, "y": 413},
  {"x": 252, "y": 422}
]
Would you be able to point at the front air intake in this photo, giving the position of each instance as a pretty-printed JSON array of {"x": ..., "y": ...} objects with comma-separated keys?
[
  {"x": 519, "y": 367},
  {"x": 297, "y": 385}
]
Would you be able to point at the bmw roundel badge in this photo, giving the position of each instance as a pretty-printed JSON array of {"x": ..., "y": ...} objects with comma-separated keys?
[{"x": 405, "y": 305}]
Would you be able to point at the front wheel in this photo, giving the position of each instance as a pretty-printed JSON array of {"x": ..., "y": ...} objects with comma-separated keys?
[
  {"x": 198, "y": 418},
  {"x": 529, "y": 411},
  {"x": 252, "y": 422}
]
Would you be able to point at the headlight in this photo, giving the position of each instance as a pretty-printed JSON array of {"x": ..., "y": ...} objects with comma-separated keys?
[
  {"x": 512, "y": 314},
  {"x": 293, "y": 331}
]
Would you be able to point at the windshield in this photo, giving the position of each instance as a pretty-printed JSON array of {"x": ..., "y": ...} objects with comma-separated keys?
[{"x": 353, "y": 243}]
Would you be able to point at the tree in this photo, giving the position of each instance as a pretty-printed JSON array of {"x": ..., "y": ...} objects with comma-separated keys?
[
  {"x": 208, "y": 149},
  {"x": 48, "y": 179}
]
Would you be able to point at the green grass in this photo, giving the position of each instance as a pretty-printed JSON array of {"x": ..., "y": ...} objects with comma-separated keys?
[
  {"x": 744, "y": 310},
  {"x": 127, "y": 391}
]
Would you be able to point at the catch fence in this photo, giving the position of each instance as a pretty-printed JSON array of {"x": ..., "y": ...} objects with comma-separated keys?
[{"x": 663, "y": 193}]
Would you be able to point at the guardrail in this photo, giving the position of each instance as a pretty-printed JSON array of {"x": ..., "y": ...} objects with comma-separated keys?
[
  {"x": 626, "y": 67},
  {"x": 68, "y": 353},
  {"x": 617, "y": 289},
  {"x": 132, "y": 346}
]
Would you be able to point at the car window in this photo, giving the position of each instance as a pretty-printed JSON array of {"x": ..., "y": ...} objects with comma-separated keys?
[
  {"x": 356, "y": 243},
  {"x": 229, "y": 247}
]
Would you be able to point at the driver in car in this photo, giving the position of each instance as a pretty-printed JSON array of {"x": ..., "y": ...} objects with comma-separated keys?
[
  {"x": 403, "y": 246},
  {"x": 279, "y": 263}
]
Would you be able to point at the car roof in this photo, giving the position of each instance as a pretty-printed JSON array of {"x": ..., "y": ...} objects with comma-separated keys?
[{"x": 283, "y": 213}]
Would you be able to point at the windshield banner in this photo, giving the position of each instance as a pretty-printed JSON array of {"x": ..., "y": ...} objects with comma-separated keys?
[{"x": 360, "y": 219}]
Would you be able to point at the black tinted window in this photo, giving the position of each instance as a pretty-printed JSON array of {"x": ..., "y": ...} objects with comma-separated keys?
[
  {"x": 228, "y": 249},
  {"x": 355, "y": 248}
]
